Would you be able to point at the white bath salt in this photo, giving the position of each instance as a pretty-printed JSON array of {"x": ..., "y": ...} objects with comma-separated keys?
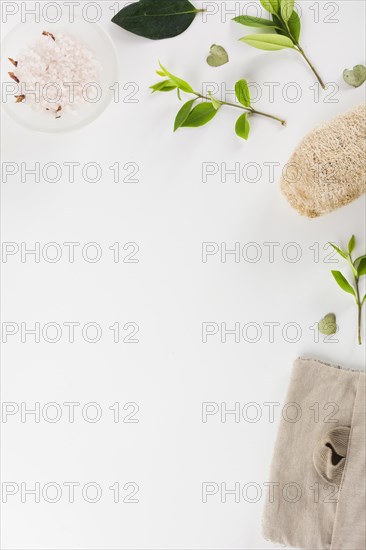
[{"x": 57, "y": 73}]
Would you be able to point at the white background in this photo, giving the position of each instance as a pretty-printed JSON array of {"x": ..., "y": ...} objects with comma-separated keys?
[{"x": 170, "y": 292}]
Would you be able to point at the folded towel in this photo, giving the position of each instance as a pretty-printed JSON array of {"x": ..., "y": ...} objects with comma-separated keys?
[{"x": 316, "y": 497}]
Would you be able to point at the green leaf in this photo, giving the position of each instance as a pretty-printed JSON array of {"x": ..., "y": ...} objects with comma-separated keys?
[
  {"x": 340, "y": 252},
  {"x": 202, "y": 114},
  {"x": 160, "y": 73},
  {"x": 361, "y": 270},
  {"x": 270, "y": 42},
  {"x": 242, "y": 127},
  {"x": 328, "y": 325},
  {"x": 181, "y": 84},
  {"x": 156, "y": 19},
  {"x": 218, "y": 56},
  {"x": 287, "y": 8},
  {"x": 343, "y": 283},
  {"x": 293, "y": 28},
  {"x": 163, "y": 86},
  {"x": 357, "y": 260},
  {"x": 363, "y": 300},
  {"x": 242, "y": 92},
  {"x": 258, "y": 22},
  {"x": 294, "y": 24},
  {"x": 355, "y": 77},
  {"x": 351, "y": 244},
  {"x": 183, "y": 114},
  {"x": 215, "y": 102},
  {"x": 270, "y": 5}
]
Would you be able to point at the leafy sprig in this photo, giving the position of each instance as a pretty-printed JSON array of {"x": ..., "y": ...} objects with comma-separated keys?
[
  {"x": 358, "y": 268},
  {"x": 192, "y": 115},
  {"x": 286, "y": 27}
]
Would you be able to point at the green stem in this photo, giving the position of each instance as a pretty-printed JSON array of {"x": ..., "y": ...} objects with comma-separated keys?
[
  {"x": 247, "y": 109},
  {"x": 301, "y": 51},
  {"x": 359, "y": 310},
  {"x": 358, "y": 301},
  {"x": 311, "y": 65}
]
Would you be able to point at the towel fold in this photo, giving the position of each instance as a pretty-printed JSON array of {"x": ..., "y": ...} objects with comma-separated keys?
[{"x": 316, "y": 496}]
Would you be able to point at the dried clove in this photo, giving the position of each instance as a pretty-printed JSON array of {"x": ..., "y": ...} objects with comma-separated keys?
[
  {"x": 15, "y": 63},
  {"x": 12, "y": 75},
  {"x": 46, "y": 33},
  {"x": 19, "y": 98}
]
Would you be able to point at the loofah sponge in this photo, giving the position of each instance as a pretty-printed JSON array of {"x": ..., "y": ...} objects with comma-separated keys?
[{"x": 327, "y": 169}]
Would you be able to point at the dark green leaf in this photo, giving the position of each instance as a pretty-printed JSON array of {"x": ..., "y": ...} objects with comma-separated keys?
[
  {"x": 357, "y": 260},
  {"x": 242, "y": 126},
  {"x": 200, "y": 115},
  {"x": 343, "y": 283},
  {"x": 270, "y": 5},
  {"x": 361, "y": 270},
  {"x": 181, "y": 84},
  {"x": 163, "y": 86},
  {"x": 280, "y": 26},
  {"x": 328, "y": 325},
  {"x": 294, "y": 24},
  {"x": 293, "y": 28},
  {"x": 242, "y": 92},
  {"x": 183, "y": 114},
  {"x": 156, "y": 19},
  {"x": 270, "y": 42},
  {"x": 340, "y": 252},
  {"x": 351, "y": 244},
  {"x": 250, "y": 21}
]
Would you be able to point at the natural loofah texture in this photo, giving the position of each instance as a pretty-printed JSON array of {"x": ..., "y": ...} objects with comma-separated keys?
[{"x": 327, "y": 170}]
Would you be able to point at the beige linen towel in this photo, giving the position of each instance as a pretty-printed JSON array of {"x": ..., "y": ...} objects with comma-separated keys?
[{"x": 316, "y": 496}]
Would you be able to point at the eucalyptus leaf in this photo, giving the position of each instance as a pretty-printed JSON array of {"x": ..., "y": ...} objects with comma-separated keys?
[
  {"x": 328, "y": 325},
  {"x": 156, "y": 19},
  {"x": 270, "y": 42},
  {"x": 258, "y": 22},
  {"x": 343, "y": 283},
  {"x": 351, "y": 244},
  {"x": 287, "y": 8},
  {"x": 242, "y": 127},
  {"x": 271, "y": 5},
  {"x": 242, "y": 92},
  {"x": 163, "y": 86},
  {"x": 200, "y": 115},
  {"x": 218, "y": 56},
  {"x": 361, "y": 270},
  {"x": 183, "y": 114},
  {"x": 356, "y": 76},
  {"x": 181, "y": 84}
]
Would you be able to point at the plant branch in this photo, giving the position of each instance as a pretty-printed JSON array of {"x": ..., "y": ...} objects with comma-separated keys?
[
  {"x": 358, "y": 301},
  {"x": 247, "y": 109},
  {"x": 301, "y": 51}
]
